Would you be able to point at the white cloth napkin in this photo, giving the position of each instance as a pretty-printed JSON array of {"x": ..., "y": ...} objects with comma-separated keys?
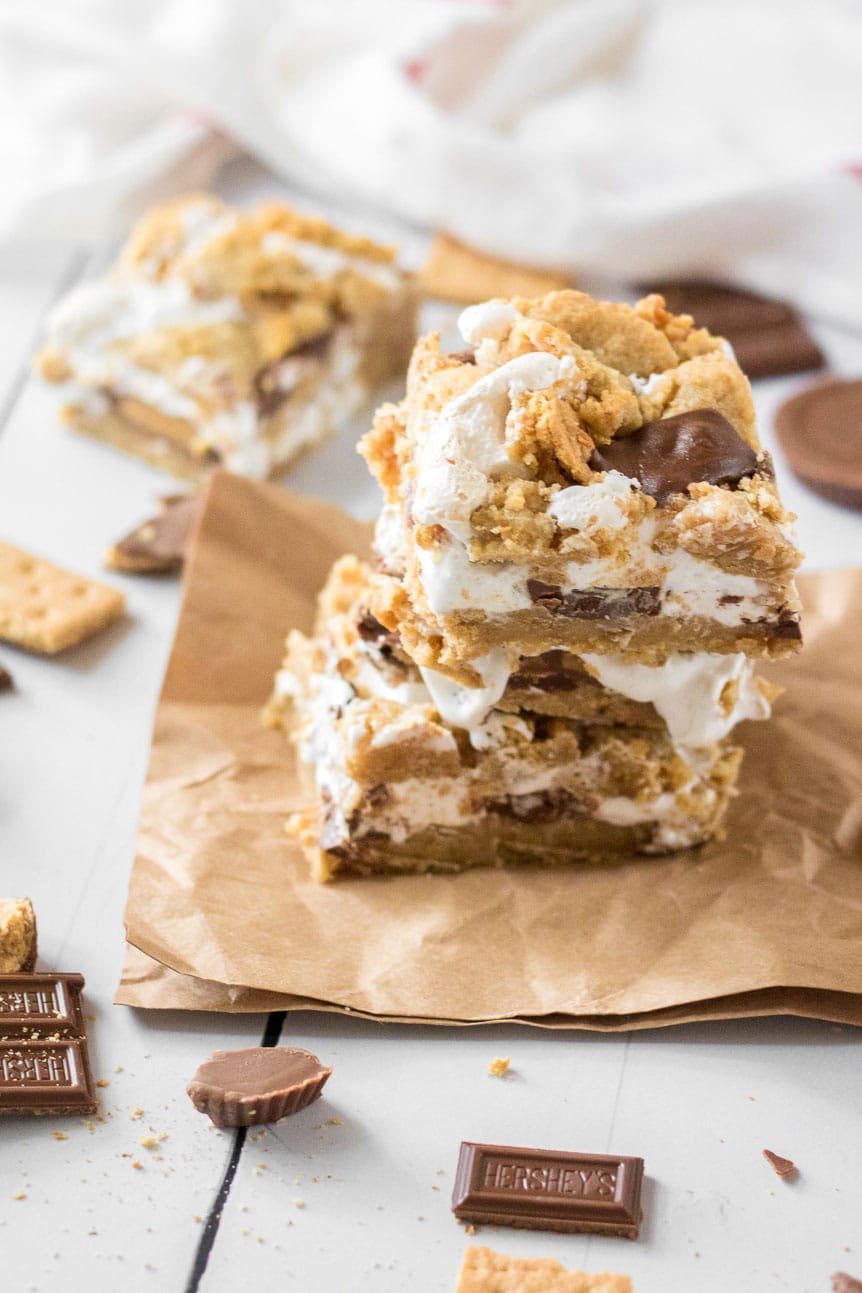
[{"x": 632, "y": 138}]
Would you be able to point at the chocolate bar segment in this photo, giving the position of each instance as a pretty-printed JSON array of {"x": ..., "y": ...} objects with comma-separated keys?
[
  {"x": 541, "y": 1189},
  {"x": 46, "y": 1077},
  {"x": 41, "y": 1005},
  {"x": 670, "y": 454}
]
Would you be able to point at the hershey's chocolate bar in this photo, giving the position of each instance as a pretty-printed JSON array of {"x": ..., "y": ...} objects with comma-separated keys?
[
  {"x": 41, "y": 1005},
  {"x": 44, "y": 1065},
  {"x": 543, "y": 1189},
  {"x": 46, "y": 1077}
]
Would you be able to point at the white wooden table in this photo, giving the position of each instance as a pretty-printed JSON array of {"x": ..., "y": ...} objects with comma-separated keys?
[{"x": 362, "y": 1203}]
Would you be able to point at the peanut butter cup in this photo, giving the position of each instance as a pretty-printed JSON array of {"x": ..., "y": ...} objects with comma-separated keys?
[{"x": 257, "y": 1085}]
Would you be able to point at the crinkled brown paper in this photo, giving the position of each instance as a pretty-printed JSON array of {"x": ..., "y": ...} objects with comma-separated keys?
[{"x": 222, "y": 914}]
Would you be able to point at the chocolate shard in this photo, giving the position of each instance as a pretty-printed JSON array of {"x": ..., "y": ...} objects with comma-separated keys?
[
  {"x": 540, "y": 1189},
  {"x": 160, "y": 545},
  {"x": 257, "y": 1085},
  {"x": 780, "y": 1166},
  {"x": 35, "y": 1006},
  {"x": 668, "y": 455},
  {"x": 594, "y": 603},
  {"x": 6, "y": 681}
]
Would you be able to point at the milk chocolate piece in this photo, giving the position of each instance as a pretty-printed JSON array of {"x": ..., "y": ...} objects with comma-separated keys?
[
  {"x": 40, "y": 1005},
  {"x": 670, "y": 454},
  {"x": 158, "y": 546},
  {"x": 6, "y": 683},
  {"x": 44, "y": 1065},
  {"x": 768, "y": 336},
  {"x": 257, "y": 1085},
  {"x": 540, "y": 1189},
  {"x": 594, "y": 603},
  {"x": 551, "y": 671},
  {"x": 278, "y": 379},
  {"x": 46, "y": 1077},
  {"x": 820, "y": 431},
  {"x": 36, "y": 1006}
]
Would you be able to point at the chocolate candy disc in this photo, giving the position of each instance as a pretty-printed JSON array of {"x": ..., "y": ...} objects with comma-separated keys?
[{"x": 820, "y": 432}]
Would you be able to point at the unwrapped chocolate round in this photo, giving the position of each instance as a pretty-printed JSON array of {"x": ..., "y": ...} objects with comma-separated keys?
[{"x": 257, "y": 1085}]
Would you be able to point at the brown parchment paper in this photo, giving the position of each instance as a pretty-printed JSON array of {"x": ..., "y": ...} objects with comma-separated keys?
[{"x": 222, "y": 915}]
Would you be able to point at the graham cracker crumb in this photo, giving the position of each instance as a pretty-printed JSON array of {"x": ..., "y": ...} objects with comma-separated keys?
[{"x": 499, "y": 1067}]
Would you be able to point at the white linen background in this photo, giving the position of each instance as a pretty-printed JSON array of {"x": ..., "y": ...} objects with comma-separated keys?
[{"x": 633, "y": 138}]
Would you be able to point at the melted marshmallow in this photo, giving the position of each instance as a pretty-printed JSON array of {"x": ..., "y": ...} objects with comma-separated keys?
[
  {"x": 466, "y": 446},
  {"x": 468, "y": 707},
  {"x": 688, "y": 692},
  {"x": 590, "y": 508}
]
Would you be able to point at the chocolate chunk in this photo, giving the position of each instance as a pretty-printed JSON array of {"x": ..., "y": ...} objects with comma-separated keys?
[
  {"x": 540, "y": 1189},
  {"x": 6, "y": 681},
  {"x": 786, "y": 627},
  {"x": 670, "y": 454},
  {"x": 820, "y": 431},
  {"x": 768, "y": 336},
  {"x": 257, "y": 1085},
  {"x": 44, "y": 1065},
  {"x": 158, "y": 546},
  {"x": 844, "y": 1283},
  {"x": 463, "y": 356},
  {"x": 781, "y": 1166},
  {"x": 594, "y": 603},
  {"x": 278, "y": 379},
  {"x": 539, "y": 806},
  {"x": 548, "y": 672}
]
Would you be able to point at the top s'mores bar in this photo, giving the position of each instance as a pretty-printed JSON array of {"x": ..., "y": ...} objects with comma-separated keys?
[
  {"x": 230, "y": 337},
  {"x": 584, "y": 477}
]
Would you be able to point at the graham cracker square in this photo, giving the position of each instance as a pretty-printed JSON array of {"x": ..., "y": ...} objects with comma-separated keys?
[
  {"x": 485, "y": 1271},
  {"x": 45, "y": 608}
]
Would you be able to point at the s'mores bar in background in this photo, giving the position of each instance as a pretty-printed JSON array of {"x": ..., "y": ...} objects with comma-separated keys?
[
  {"x": 237, "y": 338},
  {"x": 581, "y": 555}
]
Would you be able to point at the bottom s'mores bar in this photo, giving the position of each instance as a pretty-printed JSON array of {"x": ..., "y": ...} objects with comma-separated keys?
[{"x": 394, "y": 786}]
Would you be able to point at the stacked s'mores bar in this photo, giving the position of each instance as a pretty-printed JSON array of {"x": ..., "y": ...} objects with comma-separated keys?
[
  {"x": 238, "y": 338},
  {"x": 581, "y": 556}
]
